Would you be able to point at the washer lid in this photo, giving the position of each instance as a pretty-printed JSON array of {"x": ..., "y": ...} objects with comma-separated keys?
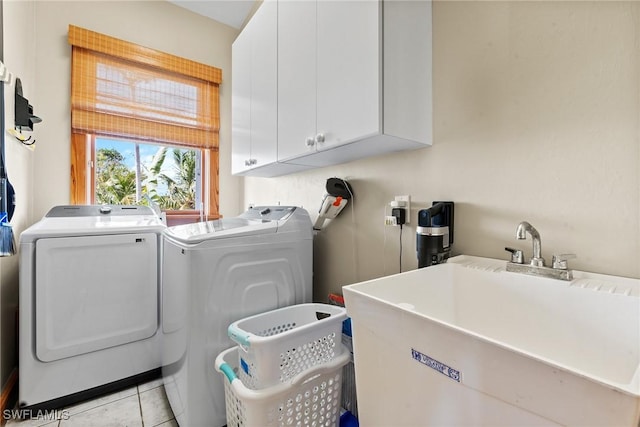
[
  {"x": 70, "y": 221},
  {"x": 221, "y": 228}
]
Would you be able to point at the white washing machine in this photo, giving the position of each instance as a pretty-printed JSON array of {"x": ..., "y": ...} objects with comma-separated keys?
[
  {"x": 215, "y": 273},
  {"x": 89, "y": 302}
]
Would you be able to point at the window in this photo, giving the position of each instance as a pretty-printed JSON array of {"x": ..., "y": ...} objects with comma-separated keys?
[
  {"x": 130, "y": 172},
  {"x": 144, "y": 126}
]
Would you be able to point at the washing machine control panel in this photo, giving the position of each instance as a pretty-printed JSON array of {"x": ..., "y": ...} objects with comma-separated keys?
[
  {"x": 71, "y": 211},
  {"x": 268, "y": 213}
]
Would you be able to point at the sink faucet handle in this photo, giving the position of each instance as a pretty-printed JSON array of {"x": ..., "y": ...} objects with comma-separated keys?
[
  {"x": 560, "y": 261},
  {"x": 516, "y": 255}
]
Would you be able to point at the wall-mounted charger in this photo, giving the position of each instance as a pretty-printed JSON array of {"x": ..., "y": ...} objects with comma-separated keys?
[
  {"x": 400, "y": 211},
  {"x": 399, "y": 214}
]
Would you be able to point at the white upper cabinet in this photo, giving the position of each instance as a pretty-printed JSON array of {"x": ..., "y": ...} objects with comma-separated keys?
[
  {"x": 353, "y": 79},
  {"x": 254, "y": 98},
  {"x": 241, "y": 102},
  {"x": 264, "y": 90},
  {"x": 328, "y": 74},
  {"x": 348, "y": 82},
  {"x": 296, "y": 78}
]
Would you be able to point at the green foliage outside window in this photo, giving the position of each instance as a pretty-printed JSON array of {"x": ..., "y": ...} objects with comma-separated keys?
[{"x": 169, "y": 179}]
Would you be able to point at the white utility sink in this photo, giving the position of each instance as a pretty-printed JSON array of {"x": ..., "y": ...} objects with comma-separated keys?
[{"x": 468, "y": 343}]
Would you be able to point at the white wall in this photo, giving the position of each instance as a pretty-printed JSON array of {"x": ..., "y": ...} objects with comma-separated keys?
[
  {"x": 536, "y": 117},
  {"x": 156, "y": 24},
  {"x": 19, "y": 58}
]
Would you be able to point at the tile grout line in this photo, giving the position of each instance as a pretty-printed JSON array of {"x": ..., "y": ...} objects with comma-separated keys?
[
  {"x": 97, "y": 406},
  {"x": 140, "y": 409},
  {"x": 140, "y": 405}
]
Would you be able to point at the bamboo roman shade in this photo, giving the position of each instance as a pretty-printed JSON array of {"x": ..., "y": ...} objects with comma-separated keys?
[{"x": 120, "y": 89}]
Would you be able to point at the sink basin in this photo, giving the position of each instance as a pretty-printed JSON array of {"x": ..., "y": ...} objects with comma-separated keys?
[{"x": 475, "y": 344}]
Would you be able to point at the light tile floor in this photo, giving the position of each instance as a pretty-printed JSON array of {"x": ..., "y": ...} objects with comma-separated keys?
[{"x": 145, "y": 405}]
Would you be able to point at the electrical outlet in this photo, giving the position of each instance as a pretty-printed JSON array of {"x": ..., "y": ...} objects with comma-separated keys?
[{"x": 407, "y": 207}]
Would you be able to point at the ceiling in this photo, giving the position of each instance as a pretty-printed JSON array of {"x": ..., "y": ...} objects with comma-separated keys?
[{"x": 230, "y": 12}]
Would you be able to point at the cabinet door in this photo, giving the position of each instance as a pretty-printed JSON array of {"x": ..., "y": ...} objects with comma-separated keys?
[
  {"x": 241, "y": 102},
  {"x": 349, "y": 61},
  {"x": 264, "y": 80},
  {"x": 296, "y": 77}
]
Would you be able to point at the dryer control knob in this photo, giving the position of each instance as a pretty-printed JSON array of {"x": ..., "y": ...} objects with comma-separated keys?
[{"x": 105, "y": 209}]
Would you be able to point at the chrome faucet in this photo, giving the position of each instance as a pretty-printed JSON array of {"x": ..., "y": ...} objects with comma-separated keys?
[
  {"x": 521, "y": 234},
  {"x": 536, "y": 266}
]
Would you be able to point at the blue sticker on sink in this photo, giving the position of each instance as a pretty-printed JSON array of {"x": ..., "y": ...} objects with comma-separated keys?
[{"x": 435, "y": 365}]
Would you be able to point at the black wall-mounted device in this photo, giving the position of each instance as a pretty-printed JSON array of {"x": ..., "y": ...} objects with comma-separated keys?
[
  {"x": 400, "y": 215},
  {"x": 24, "y": 117},
  {"x": 434, "y": 234}
]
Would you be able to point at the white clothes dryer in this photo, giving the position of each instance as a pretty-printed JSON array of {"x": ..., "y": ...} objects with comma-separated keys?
[
  {"x": 215, "y": 273},
  {"x": 89, "y": 302}
]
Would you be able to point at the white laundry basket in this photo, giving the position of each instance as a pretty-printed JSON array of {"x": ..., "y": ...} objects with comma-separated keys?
[
  {"x": 277, "y": 345},
  {"x": 311, "y": 398}
]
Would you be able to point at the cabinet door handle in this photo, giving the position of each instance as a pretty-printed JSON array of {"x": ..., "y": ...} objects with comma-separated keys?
[
  {"x": 254, "y": 161},
  {"x": 247, "y": 162},
  {"x": 310, "y": 142},
  {"x": 320, "y": 138}
]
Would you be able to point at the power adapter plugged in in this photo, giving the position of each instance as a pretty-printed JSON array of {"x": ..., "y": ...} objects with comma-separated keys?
[{"x": 399, "y": 215}]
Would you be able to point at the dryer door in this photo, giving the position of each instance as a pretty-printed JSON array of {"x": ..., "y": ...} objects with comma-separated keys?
[{"x": 94, "y": 292}]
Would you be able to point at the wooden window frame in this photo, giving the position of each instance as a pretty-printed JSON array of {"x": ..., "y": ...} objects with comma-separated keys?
[{"x": 82, "y": 180}]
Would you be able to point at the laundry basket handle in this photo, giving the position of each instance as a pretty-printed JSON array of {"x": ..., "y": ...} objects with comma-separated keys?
[
  {"x": 312, "y": 373},
  {"x": 238, "y": 335},
  {"x": 228, "y": 372}
]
